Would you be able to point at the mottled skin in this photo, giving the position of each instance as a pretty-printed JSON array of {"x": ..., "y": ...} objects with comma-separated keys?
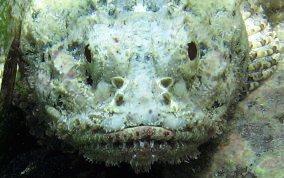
[
  {"x": 117, "y": 82},
  {"x": 120, "y": 81}
]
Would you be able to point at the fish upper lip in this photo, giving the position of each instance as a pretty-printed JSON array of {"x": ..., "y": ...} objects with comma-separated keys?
[{"x": 140, "y": 133}]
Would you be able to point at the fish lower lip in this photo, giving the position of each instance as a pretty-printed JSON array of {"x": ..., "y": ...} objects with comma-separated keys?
[
  {"x": 143, "y": 146},
  {"x": 140, "y": 133},
  {"x": 141, "y": 139}
]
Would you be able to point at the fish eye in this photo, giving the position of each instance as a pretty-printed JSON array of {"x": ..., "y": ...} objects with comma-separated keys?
[
  {"x": 192, "y": 51},
  {"x": 88, "y": 53}
]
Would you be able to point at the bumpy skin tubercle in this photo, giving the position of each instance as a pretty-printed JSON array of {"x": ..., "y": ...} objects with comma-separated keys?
[
  {"x": 264, "y": 44},
  {"x": 136, "y": 82}
]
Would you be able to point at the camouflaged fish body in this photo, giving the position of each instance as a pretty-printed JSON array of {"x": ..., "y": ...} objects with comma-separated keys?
[
  {"x": 142, "y": 81},
  {"x": 263, "y": 42}
]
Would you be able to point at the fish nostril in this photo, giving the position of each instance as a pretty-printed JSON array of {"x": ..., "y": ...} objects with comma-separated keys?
[
  {"x": 88, "y": 53},
  {"x": 167, "y": 82},
  {"x": 118, "y": 82},
  {"x": 167, "y": 98},
  {"x": 119, "y": 99}
]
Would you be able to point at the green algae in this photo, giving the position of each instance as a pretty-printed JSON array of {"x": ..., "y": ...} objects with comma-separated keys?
[
  {"x": 5, "y": 26},
  {"x": 271, "y": 165},
  {"x": 5, "y": 35}
]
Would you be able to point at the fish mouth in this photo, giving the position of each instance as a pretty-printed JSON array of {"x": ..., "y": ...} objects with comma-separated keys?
[
  {"x": 141, "y": 146},
  {"x": 146, "y": 138},
  {"x": 143, "y": 143},
  {"x": 142, "y": 140},
  {"x": 140, "y": 133},
  {"x": 150, "y": 133}
]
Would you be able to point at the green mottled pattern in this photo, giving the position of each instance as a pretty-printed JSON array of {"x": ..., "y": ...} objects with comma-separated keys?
[
  {"x": 114, "y": 78},
  {"x": 5, "y": 19},
  {"x": 5, "y": 36},
  {"x": 101, "y": 70}
]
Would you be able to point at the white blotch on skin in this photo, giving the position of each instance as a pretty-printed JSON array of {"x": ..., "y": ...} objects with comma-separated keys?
[
  {"x": 116, "y": 123},
  {"x": 174, "y": 123}
]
